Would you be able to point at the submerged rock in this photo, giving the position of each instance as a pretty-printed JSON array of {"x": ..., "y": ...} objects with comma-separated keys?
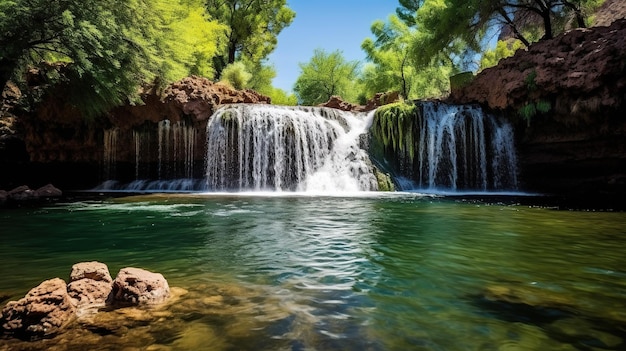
[
  {"x": 136, "y": 286},
  {"x": 90, "y": 284},
  {"x": 44, "y": 311}
]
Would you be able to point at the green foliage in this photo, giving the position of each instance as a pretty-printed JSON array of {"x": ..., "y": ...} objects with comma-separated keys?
[
  {"x": 407, "y": 10},
  {"x": 454, "y": 27},
  {"x": 532, "y": 108},
  {"x": 394, "y": 127},
  {"x": 384, "y": 180},
  {"x": 253, "y": 26},
  {"x": 326, "y": 75},
  {"x": 281, "y": 97},
  {"x": 111, "y": 47},
  {"x": 392, "y": 67},
  {"x": 503, "y": 49},
  {"x": 236, "y": 75}
]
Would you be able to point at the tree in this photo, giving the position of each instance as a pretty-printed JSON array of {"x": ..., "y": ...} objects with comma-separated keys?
[
  {"x": 503, "y": 49},
  {"x": 253, "y": 26},
  {"x": 236, "y": 75},
  {"x": 407, "y": 10},
  {"x": 450, "y": 23},
  {"x": 392, "y": 67},
  {"x": 390, "y": 51},
  {"x": 88, "y": 34},
  {"x": 109, "y": 47},
  {"x": 326, "y": 75}
]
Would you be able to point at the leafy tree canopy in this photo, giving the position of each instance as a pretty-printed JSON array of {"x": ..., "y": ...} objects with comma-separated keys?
[
  {"x": 110, "y": 46},
  {"x": 325, "y": 75},
  {"x": 452, "y": 24},
  {"x": 253, "y": 26},
  {"x": 392, "y": 67}
]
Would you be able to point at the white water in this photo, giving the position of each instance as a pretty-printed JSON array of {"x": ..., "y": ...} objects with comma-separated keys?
[
  {"x": 461, "y": 148},
  {"x": 275, "y": 148},
  {"x": 110, "y": 151},
  {"x": 266, "y": 148}
]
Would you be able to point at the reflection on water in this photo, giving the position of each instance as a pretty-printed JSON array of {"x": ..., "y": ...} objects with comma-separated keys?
[{"x": 379, "y": 273}]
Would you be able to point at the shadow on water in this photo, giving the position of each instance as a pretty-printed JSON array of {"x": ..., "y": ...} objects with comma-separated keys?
[{"x": 563, "y": 324}]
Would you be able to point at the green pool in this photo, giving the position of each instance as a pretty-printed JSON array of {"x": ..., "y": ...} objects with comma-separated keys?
[{"x": 370, "y": 272}]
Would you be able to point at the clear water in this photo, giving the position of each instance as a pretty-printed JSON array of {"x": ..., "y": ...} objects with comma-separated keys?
[{"x": 385, "y": 272}]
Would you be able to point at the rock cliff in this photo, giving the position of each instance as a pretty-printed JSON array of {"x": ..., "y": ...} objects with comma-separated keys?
[
  {"x": 76, "y": 153},
  {"x": 567, "y": 96}
]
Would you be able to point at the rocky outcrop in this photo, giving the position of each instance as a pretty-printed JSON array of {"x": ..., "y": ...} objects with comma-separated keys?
[
  {"x": 567, "y": 97},
  {"x": 52, "y": 305},
  {"x": 90, "y": 284},
  {"x": 44, "y": 311},
  {"x": 200, "y": 97},
  {"x": 378, "y": 100},
  {"x": 579, "y": 72},
  {"x": 56, "y": 144},
  {"x": 24, "y": 194},
  {"x": 135, "y": 286}
]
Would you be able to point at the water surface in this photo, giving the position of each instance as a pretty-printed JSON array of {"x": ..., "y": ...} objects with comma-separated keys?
[{"x": 394, "y": 272}]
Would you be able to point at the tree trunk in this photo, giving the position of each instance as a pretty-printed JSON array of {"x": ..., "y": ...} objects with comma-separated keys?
[{"x": 580, "y": 18}]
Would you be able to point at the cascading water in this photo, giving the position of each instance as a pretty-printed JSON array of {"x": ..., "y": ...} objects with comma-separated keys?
[
  {"x": 261, "y": 147},
  {"x": 110, "y": 152},
  {"x": 435, "y": 146},
  {"x": 425, "y": 146},
  {"x": 163, "y": 158}
]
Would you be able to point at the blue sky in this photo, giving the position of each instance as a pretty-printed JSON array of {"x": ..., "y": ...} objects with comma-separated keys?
[{"x": 329, "y": 25}]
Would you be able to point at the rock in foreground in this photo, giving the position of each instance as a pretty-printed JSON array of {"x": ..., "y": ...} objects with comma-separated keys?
[
  {"x": 44, "y": 311},
  {"x": 135, "y": 286},
  {"x": 90, "y": 284}
]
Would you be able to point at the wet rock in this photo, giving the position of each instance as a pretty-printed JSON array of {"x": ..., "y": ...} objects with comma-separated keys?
[
  {"x": 90, "y": 284},
  {"x": 44, "y": 311},
  {"x": 48, "y": 191},
  {"x": 135, "y": 286},
  {"x": 22, "y": 193}
]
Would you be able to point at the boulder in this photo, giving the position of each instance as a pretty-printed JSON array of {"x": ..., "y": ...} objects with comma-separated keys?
[
  {"x": 199, "y": 97},
  {"x": 44, "y": 311},
  {"x": 90, "y": 284},
  {"x": 22, "y": 193},
  {"x": 48, "y": 190},
  {"x": 135, "y": 286}
]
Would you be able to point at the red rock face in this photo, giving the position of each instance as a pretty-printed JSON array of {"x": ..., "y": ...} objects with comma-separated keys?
[
  {"x": 578, "y": 147},
  {"x": 581, "y": 71},
  {"x": 69, "y": 150}
]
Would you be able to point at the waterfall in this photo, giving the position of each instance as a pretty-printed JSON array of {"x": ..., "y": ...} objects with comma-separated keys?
[
  {"x": 164, "y": 146},
  {"x": 436, "y": 146},
  {"x": 160, "y": 158},
  {"x": 110, "y": 152},
  {"x": 261, "y": 147}
]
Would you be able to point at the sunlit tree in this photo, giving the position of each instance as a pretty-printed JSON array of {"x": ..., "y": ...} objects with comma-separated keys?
[
  {"x": 253, "y": 27},
  {"x": 108, "y": 47},
  {"x": 325, "y": 75}
]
